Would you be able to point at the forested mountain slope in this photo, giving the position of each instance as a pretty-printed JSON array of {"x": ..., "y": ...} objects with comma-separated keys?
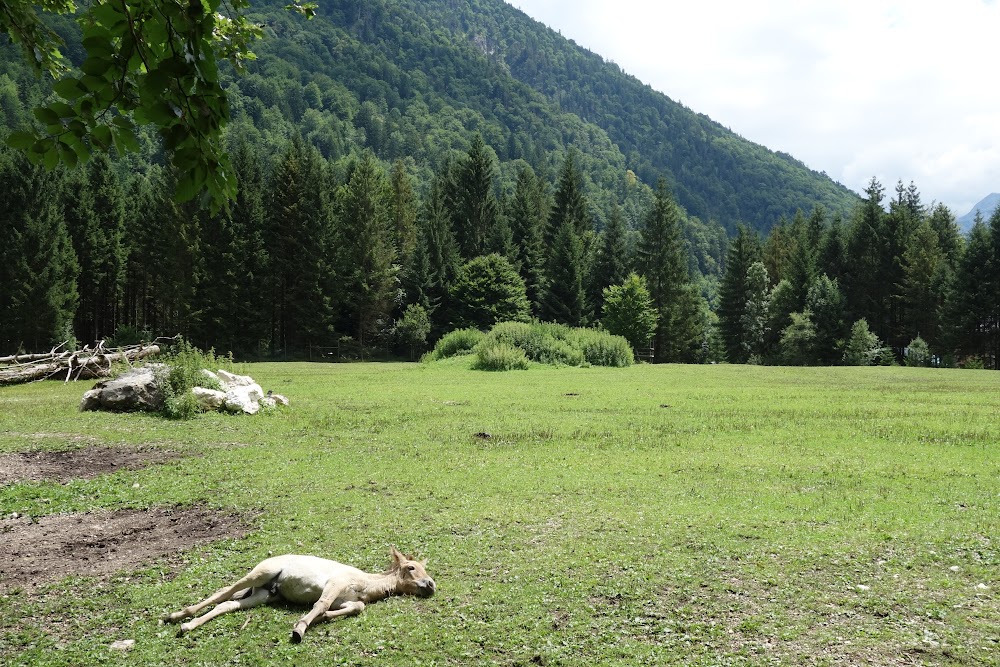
[{"x": 485, "y": 66}]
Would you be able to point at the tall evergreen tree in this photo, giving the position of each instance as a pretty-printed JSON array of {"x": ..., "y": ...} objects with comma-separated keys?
[
  {"x": 744, "y": 251},
  {"x": 234, "y": 317},
  {"x": 403, "y": 209},
  {"x": 831, "y": 258},
  {"x": 949, "y": 236},
  {"x": 570, "y": 202},
  {"x": 923, "y": 262},
  {"x": 95, "y": 216},
  {"x": 971, "y": 306},
  {"x": 367, "y": 255},
  {"x": 663, "y": 263},
  {"x": 865, "y": 287},
  {"x": 473, "y": 203},
  {"x": 438, "y": 259},
  {"x": 564, "y": 300},
  {"x": 527, "y": 214},
  {"x": 611, "y": 266},
  {"x": 38, "y": 267},
  {"x": 301, "y": 249}
]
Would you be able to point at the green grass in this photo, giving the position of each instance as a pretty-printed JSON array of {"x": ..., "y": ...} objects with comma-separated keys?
[{"x": 695, "y": 515}]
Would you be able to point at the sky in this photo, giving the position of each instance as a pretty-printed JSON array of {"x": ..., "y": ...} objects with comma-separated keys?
[{"x": 895, "y": 89}]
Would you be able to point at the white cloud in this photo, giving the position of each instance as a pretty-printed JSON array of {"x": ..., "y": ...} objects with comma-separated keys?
[{"x": 895, "y": 89}]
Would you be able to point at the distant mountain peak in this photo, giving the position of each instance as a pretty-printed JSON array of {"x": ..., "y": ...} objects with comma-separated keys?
[{"x": 985, "y": 207}]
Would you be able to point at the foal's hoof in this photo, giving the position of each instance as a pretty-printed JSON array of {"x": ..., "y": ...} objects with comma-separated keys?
[{"x": 296, "y": 637}]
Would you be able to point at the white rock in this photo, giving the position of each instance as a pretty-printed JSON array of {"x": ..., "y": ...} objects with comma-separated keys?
[
  {"x": 279, "y": 399},
  {"x": 209, "y": 399},
  {"x": 211, "y": 376},
  {"x": 982, "y": 587},
  {"x": 123, "y": 645},
  {"x": 267, "y": 402},
  {"x": 244, "y": 399},
  {"x": 230, "y": 380},
  {"x": 954, "y": 568},
  {"x": 862, "y": 587}
]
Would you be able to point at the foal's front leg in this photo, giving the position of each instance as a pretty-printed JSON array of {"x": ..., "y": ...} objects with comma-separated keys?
[{"x": 330, "y": 593}]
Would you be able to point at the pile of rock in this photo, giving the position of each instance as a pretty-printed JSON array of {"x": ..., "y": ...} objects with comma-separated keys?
[
  {"x": 239, "y": 394},
  {"x": 140, "y": 389}
]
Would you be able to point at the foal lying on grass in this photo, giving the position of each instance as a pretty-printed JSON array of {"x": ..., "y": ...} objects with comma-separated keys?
[{"x": 333, "y": 589}]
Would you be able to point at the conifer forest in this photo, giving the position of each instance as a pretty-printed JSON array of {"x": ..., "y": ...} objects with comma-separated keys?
[{"x": 406, "y": 168}]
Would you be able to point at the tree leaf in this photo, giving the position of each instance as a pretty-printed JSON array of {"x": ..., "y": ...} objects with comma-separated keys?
[
  {"x": 22, "y": 141},
  {"x": 46, "y": 115},
  {"x": 69, "y": 89}
]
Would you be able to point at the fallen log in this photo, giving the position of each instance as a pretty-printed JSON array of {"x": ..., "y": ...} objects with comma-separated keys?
[{"x": 80, "y": 365}]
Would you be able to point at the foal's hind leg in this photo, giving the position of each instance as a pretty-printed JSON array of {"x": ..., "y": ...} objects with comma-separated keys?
[
  {"x": 257, "y": 578},
  {"x": 257, "y": 597}
]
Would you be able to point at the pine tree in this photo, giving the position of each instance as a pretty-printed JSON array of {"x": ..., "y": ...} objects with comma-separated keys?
[
  {"x": 826, "y": 303},
  {"x": 611, "y": 266},
  {"x": 472, "y": 201},
  {"x": 864, "y": 284},
  {"x": 403, "y": 209},
  {"x": 949, "y": 236},
  {"x": 564, "y": 300},
  {"x": 367, "y": 272},
  {"x": 95, "y": 217},
  {"x": 831, "y": 258},
  {"x": 754, "y": 318},
  {"x": 744, "y": 251},
  {"x": 663, "y": 263},
  {"x": 438, "y": 259},
  {"x": 38, "y": 267},
  {"x": 923, "y": 261},
  {"x": 234, "y": 317},
  {"x": 527, "y": 214},
  {"x": 301, "y": 247},
  {"x": 970, "y": 310},
  {"x": 570, "y": 202}
]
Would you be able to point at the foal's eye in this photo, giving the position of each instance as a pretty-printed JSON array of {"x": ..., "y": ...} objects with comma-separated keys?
[{"x": 411, "y": 568}]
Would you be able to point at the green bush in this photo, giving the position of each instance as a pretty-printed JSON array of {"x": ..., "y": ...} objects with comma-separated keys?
[
  {"x": 460, "y": 341},
  {"x": 601, "y": 348},
  {"x": 540, "y": 342},
  {"x": 499, "y": 357},
  {"x": 185, "y": 365}
]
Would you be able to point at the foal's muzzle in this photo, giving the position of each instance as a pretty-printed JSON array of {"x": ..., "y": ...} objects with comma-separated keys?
[{"x": 426, "y": 587}]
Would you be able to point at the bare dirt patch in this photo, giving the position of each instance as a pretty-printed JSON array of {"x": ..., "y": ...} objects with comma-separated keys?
[
  {"x": 101, "y": 543},
  {"x": 84, "y": 463}
]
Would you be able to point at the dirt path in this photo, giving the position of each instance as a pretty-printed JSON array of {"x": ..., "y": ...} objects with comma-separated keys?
[{"x": 101, "y": 543}]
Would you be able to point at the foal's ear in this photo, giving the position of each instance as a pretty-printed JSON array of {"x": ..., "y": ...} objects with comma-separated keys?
[{"x": 397, "y": 556}]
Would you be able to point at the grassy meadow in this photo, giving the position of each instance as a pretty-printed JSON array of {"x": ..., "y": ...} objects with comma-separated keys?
[{"x": 690, "y": 515}]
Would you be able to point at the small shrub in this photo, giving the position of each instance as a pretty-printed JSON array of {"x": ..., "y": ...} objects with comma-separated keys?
[
  {"x": 500, "y": 357},
  {"x": 601, "y": 348},
  {"x": 550, "y": 350},
  {"x": 460, "y": 341},
  {"x": 973, "y": 363},
  {"x": 918, "y": 353},
  {"x": 127, "y": 335},
  {"x": 183, "y": 372}
]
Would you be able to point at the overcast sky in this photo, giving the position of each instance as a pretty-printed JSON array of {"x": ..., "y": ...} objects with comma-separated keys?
[{"x": 896, "y": 89}]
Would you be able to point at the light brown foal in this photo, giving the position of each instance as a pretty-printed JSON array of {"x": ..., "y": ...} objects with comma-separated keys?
[{"x": 333, "y": 589}]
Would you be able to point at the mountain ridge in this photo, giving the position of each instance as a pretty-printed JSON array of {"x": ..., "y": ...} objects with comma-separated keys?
[
  {"x": 537, "y": 91},
  {"x": 985, "y": 206}
]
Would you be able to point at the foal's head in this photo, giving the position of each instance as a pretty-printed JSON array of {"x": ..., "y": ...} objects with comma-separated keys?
[{"x": 413, "y": 578}]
